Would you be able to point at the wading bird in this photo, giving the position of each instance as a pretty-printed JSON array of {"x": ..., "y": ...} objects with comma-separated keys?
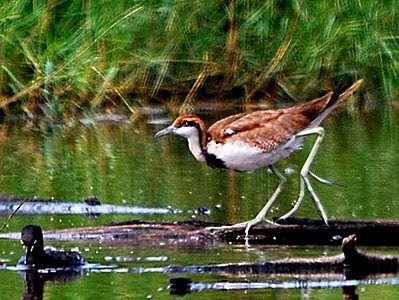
[
  {"x": 38, "y": 257},
  {"x": 248, "y": 141}
]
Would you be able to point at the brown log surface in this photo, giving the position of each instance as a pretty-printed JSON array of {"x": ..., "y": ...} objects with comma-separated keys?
[
  {"x": 293, "y": 232},
  {"x": 194, "y": 232}
]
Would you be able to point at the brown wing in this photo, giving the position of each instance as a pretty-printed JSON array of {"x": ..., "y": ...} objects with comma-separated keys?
[
  {"x": 272, "y": 129},
  {"x": 216, "y": 131},
  {"x": 267, "y": 129}
]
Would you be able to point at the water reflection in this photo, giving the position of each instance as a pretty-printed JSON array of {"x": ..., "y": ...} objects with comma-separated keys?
[
  {"x": 124, "y": 166},
  {"x": 34, "y": 281},
  {"x": 183, "y": 285},
  {"x": 308, "y": 284}
]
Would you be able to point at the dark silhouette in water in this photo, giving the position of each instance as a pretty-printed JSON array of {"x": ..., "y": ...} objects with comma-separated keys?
[
  {"x": 35, "y": 281},
  {"x": 38, "y": 257}
]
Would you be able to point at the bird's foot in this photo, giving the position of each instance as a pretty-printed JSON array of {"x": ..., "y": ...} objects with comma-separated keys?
[
  {"x": 279, "y": 219},
  {"x": 247, "y": 225},
  {"x": 224, "y": 227}
]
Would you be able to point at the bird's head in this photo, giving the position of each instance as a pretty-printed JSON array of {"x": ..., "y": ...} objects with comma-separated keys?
[
  {"x": 32, "y": 241},
  {"x": 187, "y": 126}
]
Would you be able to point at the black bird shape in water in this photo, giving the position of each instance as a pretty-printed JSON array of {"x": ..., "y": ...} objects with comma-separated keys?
[{"x": 38, "y": 257}]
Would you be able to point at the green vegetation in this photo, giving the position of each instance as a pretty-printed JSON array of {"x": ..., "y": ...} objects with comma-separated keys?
[{"x": 59, "y": 56}]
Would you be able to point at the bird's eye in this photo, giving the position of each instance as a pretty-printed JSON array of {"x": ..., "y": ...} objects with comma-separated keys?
[{"x": 186, "y": 123}]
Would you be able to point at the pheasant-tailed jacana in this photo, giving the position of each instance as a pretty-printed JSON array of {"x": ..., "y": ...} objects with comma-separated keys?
[{"x": 248, "y": 141}]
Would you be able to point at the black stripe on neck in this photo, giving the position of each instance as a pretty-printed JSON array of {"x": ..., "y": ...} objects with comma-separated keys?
[{"x": 213, "y": 161}]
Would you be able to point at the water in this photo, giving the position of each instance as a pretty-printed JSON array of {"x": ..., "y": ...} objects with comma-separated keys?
[{"x": 122, "y": 164}]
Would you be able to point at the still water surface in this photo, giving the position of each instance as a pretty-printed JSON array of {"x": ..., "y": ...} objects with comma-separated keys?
[{"x": 122, "y": 164}]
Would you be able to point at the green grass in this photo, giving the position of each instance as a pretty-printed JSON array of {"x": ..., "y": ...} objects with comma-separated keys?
[{"x": 61, "y": 56}]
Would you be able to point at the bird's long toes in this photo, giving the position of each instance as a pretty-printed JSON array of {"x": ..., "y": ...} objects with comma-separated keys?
[
  {"x": 271, "y": 222},
  {"x": 218, "y": 228},
  {"x": 280, "y": 220}
]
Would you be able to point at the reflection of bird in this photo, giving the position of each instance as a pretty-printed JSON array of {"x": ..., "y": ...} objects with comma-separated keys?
[
  {"x": 36, "y": 280},
  {"x": 248, "y": 141},
  {"x": 38, "y": 257}
]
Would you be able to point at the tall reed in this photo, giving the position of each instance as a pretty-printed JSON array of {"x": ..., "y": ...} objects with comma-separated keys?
[{"x": 63, "y": 55}]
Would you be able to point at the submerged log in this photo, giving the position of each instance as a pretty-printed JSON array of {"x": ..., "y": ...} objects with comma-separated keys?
[
  {"x": 351, "y": 264},
  {"x": 295, "y": 231},
  {"x": 304, "y": 231},
  {"x": 194, "y": 232}
]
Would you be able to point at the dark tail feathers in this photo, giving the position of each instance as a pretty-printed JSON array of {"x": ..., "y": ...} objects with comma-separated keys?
[{"x": 338, "y": 90}]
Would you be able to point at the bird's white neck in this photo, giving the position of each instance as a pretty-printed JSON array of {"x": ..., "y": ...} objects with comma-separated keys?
[
  {"x": 194, "y": 144},
  {"x": 193, "y": 129}
]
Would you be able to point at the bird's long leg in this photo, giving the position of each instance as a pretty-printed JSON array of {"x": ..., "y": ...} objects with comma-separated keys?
[
  {"x": 262, "y": 213},
  {"x": 298, "y": 201},
  {"x": 305, "y": 171},
  {"x": 316, "y": 201}
]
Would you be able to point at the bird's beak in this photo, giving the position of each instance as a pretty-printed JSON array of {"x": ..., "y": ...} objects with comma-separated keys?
[{"x": 168, "y": 130}]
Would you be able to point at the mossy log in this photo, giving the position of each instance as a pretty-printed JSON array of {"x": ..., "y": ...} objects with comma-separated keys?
[{"x": 194, "y": 232}]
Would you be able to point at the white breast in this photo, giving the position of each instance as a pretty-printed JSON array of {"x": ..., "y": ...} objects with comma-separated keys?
[{"x": 241, "y": 156}]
